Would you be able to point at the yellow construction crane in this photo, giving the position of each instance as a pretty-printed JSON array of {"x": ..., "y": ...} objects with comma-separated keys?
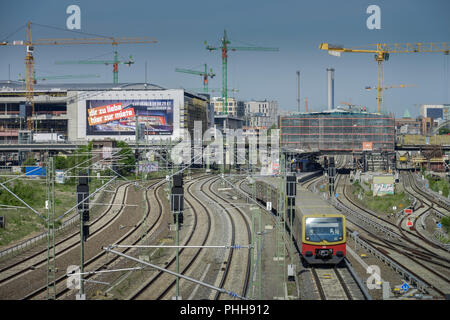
[
  {"x": 394, "y": 86},
  {"x": 29, "y": 58},
  {"x": 382, "y": 52}
]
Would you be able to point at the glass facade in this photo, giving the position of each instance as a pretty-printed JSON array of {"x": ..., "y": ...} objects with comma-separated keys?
[
  {"x": 339, "y": 131},
  {"x": 435, "y": 113}
]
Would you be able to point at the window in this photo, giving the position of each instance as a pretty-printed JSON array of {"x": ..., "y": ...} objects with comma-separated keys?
[{"x": 320, "y": 229}]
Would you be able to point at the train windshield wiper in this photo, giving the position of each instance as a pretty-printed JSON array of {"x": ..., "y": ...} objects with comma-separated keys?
[{"x": 320, "y": 239}]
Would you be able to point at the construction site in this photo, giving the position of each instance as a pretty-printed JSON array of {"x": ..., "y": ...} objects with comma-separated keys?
[{"x": 198, "y": 174}]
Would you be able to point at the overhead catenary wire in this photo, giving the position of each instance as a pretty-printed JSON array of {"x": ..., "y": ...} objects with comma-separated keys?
[
  {"x": 73, "y": 31},
  {"x": 90, "y": 195},
  {"x": 14, "y": 32},
  {"x": 228, "y": 292},
  {"x": 26, "y": 204}
]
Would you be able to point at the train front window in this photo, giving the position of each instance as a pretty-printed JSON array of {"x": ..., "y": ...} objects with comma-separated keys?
[{"x": 320, "y": 229}]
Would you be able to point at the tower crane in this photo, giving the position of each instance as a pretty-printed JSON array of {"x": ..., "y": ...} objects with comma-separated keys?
[
  {"x": 225, "y": 48},
  {"x": 67, "y": 76},
  {"x": 382, "y": 52},
  {"x": 205, "y": 74},
  {"x": 115, "y": 63},
  {"x": 213, "y": 90},
  {"x": 29, "y": 43}
]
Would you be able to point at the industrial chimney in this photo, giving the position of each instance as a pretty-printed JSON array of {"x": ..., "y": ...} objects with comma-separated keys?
[
  {"x": 330, "y": 81},
  {"x": 298, "y": 91}
]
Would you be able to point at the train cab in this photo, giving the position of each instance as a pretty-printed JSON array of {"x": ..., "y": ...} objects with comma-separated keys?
[{"x": 323, "y": 238}]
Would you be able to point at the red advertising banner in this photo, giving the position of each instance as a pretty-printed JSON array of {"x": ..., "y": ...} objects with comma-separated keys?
[
  {"x": 110, "y": 108},
  {"x": 108, "y": 113}
]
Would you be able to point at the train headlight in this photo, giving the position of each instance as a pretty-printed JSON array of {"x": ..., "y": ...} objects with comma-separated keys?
[
  {"x": 307, "y": 238},
  {"x": 340, "y": 238}
]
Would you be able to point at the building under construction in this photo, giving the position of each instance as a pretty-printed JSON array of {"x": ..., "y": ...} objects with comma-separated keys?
[
  {"x": 83, "y": 112},
  {"x": 338, "y": 131}
]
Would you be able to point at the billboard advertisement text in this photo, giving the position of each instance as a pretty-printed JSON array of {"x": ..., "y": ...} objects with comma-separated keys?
[{"x": 119, "y": 117}]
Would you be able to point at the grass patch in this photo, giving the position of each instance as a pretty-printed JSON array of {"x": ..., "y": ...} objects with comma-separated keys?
[
  {"x": 22, "y": 222},
  {"x": 291, "y": 288},
  {"x": 380, "y": 204},
  {"x": 446, "y": 228},
  {"x": 19, "y": 224},
  {"x": 439, "y": 185}
]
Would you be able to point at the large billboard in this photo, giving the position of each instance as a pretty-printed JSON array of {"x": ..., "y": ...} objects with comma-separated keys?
[{"x": 118, "y": 117}]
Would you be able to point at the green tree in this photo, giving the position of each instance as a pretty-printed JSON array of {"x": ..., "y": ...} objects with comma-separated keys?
[
  {"x": 60, "y": 162},
  {"x": 77, "y": 158},
  {"x": 443, "y": 131},
  {"x": 29, "y": 162},
  {"x": 445, "y": 190},
  {"x": 446, "y": 222}
]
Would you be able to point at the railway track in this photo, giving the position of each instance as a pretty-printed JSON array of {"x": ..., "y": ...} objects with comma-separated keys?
[
  {"x": 434, "y": 279},
  {"x": 402, "y": 233},
  {"x": 98, "y": 259},
  {"x": 233, "y": 262},
  {"x": 37, "y": 259},
  {"x": 433, "y": 206},
  {"x": 189, "y": 260},
  {"x": 330, "y": 283},
  {"x": 152, "y": 283},
  {"x": 336, "y": 284},
  {"x": 435, "y": 201}
]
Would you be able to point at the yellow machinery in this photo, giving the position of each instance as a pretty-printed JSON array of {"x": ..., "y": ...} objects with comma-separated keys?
[
  {"x": 29, "y": 58},
  {"x": 382, "y": 52},
  {"x": 395, "y": 86}
]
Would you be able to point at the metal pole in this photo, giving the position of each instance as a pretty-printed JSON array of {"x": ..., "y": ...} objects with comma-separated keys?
[
  {"x": 145, "y": 71},
  {"x": 237, "y": 246},
  {"x": 51, "y": 265},
  {"x": 284, "y": 218},
  {"x": 252, "y": 251},
  {"x": 81, "y": 255},
  {"x": 230, "y": 293},
  {"x": 260, "y": 255},
  {"x": 178, "y": 260},
  {"x": 136, "y": 133}
]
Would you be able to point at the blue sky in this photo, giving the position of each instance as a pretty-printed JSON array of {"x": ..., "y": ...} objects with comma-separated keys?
[{"x": 295, "y": 27}]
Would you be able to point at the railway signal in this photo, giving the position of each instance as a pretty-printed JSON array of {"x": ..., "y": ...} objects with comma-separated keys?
[
  {"x": 177, "y": 207},
  {"x": 291, "y": 186},
  {"x": 177, "y": 199},
  {"x": 331, "y": 175},
  {"x": 291, "y": 192},
  {"x": 83, "y": 209},
  {"x": 83, "y": 203}
]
